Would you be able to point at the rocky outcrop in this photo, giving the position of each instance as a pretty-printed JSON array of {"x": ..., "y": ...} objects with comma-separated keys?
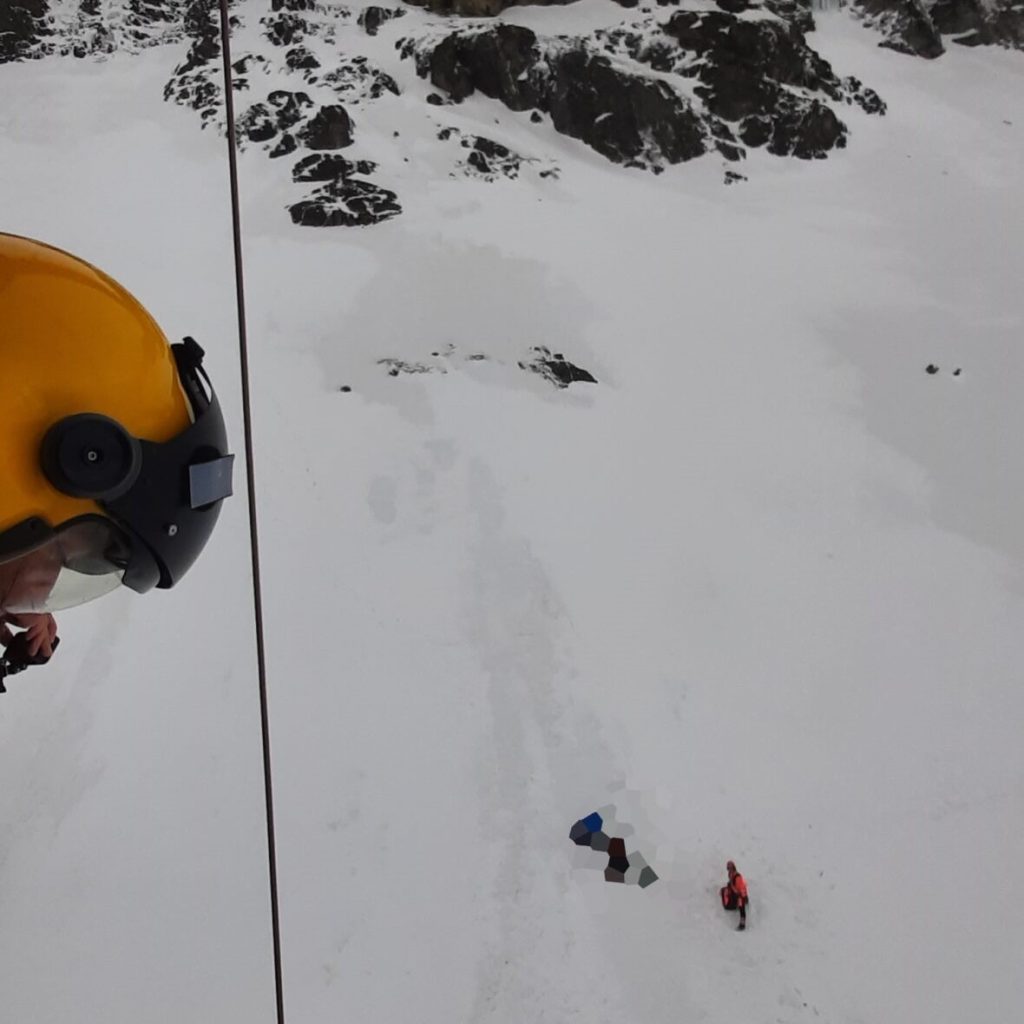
[
  {"x": 371, "y": 18},
  {"x": 480, "y": 8},
  {"x": 673, "y": 81},
  {"x": 196, "y": 82},
  {"x": 286, "y": 121},
  {"x": 328, "y": 167},
  {"x": 357, "y": 80},
  {"x": 85, "y": 28},
  {"x": 329, "y": 128},
  {"x": 981, "y": 23},
  {"x": 22, "y": 27},
  {"x": 762, "y": 76},
  {"x": 906, "y": 26},
  {"x": 626, "y": 117},
  {"x": 554, "y": 367},
  {"x": 723, "y": 81},
  {"x": 346, "y": 202}
]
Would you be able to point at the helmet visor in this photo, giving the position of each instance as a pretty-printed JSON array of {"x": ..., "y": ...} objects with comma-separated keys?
[{"x": 82, "y": 560}]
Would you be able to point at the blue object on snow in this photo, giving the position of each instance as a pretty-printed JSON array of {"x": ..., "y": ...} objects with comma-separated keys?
[{"x": 593, "y": 822}]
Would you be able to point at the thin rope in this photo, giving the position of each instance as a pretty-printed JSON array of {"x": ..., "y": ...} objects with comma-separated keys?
[{"x": 243, "y": 347}]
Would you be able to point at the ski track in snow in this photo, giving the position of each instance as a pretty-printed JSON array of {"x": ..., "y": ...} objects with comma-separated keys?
[{"x": 756, "y": 594}]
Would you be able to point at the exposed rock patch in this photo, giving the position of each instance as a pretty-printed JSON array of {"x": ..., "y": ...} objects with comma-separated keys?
[
  {"x": 490, "y": 160},
  {"x": 395, "y": 367},
  {"x": 22, "y": 28},
  {"x": 906, "y": 25},
  {"x": 981, "y": 23},
  {"x": 626, "y": 117},
  {"x": 329, "y": 128},
  {"x": 347, "y": 202},
  {"x": 481, "y": 8},
  {"x": 87, "y": 28},
  {"x": 285, "y": 121},
  {"x": 196, "y": 81},
  {"x": 555, "y": 368},
  {"x": 356, "y": 79},
  {"x": 724, "y": 81},
  {"x": 372, "y": 18},
  {"x": 263, "y": 122},
  {"x": 329, "y": 167}
]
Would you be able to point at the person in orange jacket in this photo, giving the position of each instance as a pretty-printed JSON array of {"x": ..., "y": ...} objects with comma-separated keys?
[{"x": 734, "y": 894}]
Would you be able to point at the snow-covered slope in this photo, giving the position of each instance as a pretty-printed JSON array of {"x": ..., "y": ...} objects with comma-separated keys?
[{"x": 755, "y": 593}]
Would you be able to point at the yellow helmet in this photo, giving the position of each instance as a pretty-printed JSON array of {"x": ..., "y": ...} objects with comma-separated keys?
[{"x": 113, "y": 452}]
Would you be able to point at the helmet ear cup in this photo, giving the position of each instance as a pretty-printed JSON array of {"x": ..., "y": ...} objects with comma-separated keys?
[{"x": 91, "y": 456}]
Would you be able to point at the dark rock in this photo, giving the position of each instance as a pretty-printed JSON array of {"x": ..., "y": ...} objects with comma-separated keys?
[
  {"x": 493, "y": 165},
  {"x": 331, "y": 128},
  {"x": 733, "y": 91},
  {"x": 976, "y": 22},
  {"x": 202, "y": 24},
  {"x": 289, "y": 107},
  {"x": 350, "y": 202},
  {"x": 807, "y": 132},
  {"x": 756, "y": 130},
  {"x": 761, "y": 73},
  {"x": 764, "y": 49},
  {"x": 397, "y": 366},
  {"x": 371, "y": 18},
  {"x": 730, "y": 151},
  {"x": 329, "y": 167},
  {"x": 618, "y": 864},
  {"x": 599, "y": 842},
  {"x": 611, "y": 875},
  {"x": 558, "y": 371},
  {"x": 299, "y": 58},
  {"x": 286, "y": 29},
  {"x": 245, "y": 64},
  {"x": 285, "y": 145},
  {"x": 435, "y": 100},
  {"x": 142, "y": 12},
  {"x": 536, "y": 117},
  {"x": 867, "y": 99},
  {"x": 355, "y": 77},
  {"x": 489, "y": 148},
  {"x": 282, "y": 111},
  {"x": 197, "y": 81},
  {"x": 345, "y": 389},
  {"x": 623, "y": 116},
  {"x": 496, "y": 62},
  {"x": 480, "y": 8},
  {"x": 796, "y": 12},
  {"x": 256, "y": 124},
  {"x": 23, "y": 24},
  {"x": 931, "y": 368},
  {"x": 906, "y": 25}
]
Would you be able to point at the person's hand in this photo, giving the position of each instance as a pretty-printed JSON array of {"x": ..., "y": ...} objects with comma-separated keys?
[{"x": 40, "y": 629}]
